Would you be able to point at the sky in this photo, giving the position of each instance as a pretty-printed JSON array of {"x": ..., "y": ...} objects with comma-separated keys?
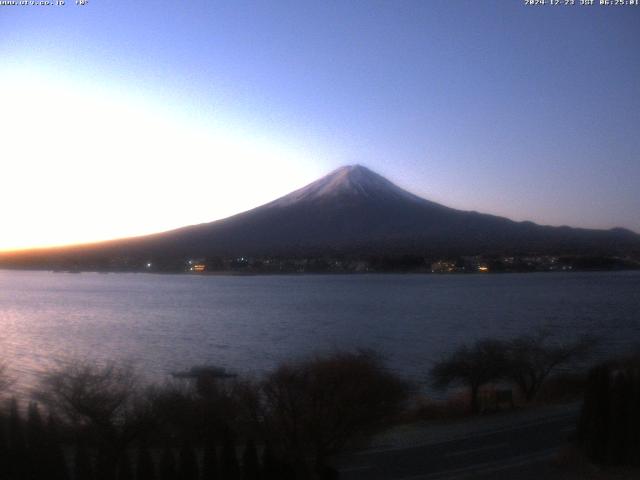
[{"x": 125, "y": 118}]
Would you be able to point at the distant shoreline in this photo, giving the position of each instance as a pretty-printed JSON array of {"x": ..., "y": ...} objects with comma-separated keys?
[{"x": 336, "y": 273}]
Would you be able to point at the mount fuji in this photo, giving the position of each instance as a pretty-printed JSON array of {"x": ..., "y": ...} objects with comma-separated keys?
[{"x": 352, "y": 210}]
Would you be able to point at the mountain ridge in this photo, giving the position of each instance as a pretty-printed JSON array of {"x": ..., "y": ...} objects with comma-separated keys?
[{"x": 353, "y": 211}]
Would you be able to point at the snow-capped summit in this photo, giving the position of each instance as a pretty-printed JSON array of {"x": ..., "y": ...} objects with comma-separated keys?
[{"x": 350, "y": 181}]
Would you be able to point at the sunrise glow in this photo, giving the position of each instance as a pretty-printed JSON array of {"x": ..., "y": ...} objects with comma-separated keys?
[{"x": 81, "y": 162}]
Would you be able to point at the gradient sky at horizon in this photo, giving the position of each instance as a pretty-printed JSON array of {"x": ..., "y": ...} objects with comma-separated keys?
[{"x": 124, "y": 118}]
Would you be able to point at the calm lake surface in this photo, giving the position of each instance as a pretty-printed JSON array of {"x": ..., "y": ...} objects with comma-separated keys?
[{"x": 248, "y": 324}]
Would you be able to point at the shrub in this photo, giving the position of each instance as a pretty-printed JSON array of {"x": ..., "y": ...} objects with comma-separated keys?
[
  {"x": 314, "y": 408},
  {"x": 532, "y": 358},
  {"x": 473, "y": 367}
]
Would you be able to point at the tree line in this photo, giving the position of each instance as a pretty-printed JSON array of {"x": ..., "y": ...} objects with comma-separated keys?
[
  {"x": 525, "y": 361},
  {"x": 100, "y": 422},
  {"x": 103, "y": 422}
]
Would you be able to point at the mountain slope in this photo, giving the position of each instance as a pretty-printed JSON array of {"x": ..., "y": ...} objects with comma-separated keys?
[{"x": 356, "y": 211}]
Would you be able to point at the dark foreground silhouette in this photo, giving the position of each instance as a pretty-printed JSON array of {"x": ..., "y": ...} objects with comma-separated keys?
[{"x": 101, "y": 422}]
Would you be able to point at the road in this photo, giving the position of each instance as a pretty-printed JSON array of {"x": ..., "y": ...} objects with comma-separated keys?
[{"x": 520, "y": 448}]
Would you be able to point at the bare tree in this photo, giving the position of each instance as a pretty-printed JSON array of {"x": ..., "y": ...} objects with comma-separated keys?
[
  {"x": 314, "y": 408},
  {"x": 176, "y": 409},
  {"x": 230, "y": 402},
  {"x": 202, "y": 410},
  {"x": 101, "y": 401},
  {"x": 532, "y": 358},
  {"x": 473, "y": 367}
]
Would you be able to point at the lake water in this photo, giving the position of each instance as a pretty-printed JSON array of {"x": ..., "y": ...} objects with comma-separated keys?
[{"x": 165, "y": 323}]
